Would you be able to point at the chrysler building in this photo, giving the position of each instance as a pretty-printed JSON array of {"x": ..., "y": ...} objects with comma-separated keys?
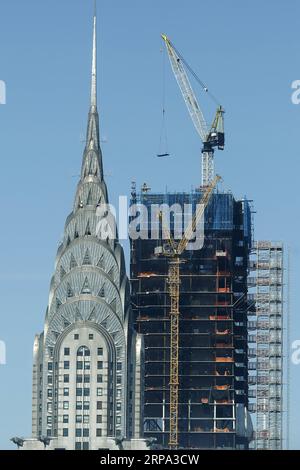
[{"x": 88, "y": 360}]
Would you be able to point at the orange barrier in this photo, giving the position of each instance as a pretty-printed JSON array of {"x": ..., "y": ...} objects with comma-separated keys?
[{"x": 223, "y": 359}]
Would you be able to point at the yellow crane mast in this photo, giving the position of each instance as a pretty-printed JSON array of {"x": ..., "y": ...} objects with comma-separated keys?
[{"x": 173, "y": 250}]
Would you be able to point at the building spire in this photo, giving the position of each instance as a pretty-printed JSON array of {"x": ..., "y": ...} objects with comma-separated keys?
[
  {"x": 94, "y": 61},
  {"x": 92, "y": 157}
]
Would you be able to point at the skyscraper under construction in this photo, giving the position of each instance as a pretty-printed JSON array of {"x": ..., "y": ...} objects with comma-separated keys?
[{"x": 212, "y": 373}]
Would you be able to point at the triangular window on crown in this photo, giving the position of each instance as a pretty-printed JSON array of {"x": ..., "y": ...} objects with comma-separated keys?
[
  {"x": 111, "y": 273},
  {"x": 88, "y": 229},
  {"x": 101, "y": 263},
  {"x": 70, "y": 292},
  {"x": 92, "y": 315},
  {"x": 58, "y": 303},
  {"x": 73, "y": 263},
  {"x": 86, "y": 287},
  {"x": 62, "y": 272},
  {"x": 101, "y": 292},
  {"x": 78, "y": 316},
  {"x": 87, "y": 258},
  {"x": 66, "y": 322},
  {"x": 68, "y": 241},
  {"x": 76, "y": 234}
]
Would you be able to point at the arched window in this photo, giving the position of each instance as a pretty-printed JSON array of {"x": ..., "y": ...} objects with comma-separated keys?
[{"x": 83, "y": 351}]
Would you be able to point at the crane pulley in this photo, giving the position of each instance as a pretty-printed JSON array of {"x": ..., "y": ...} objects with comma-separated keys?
[{"x": 212, "y": 136}]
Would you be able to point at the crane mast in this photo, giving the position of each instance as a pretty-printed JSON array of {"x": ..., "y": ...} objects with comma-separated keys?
[
  {"x": 211, "y": 137},
  {"x": 174, "y": 290},
  {"x": 173, "y": 250}
]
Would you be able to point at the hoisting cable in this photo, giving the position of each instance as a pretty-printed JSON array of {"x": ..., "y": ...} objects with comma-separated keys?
[
  {"x": 201, "y": 83},
  {"x": 163, "y": 139}
]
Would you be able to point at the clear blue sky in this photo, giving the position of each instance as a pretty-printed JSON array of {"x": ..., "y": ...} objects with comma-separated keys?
[{"x": 248, "y": 53}]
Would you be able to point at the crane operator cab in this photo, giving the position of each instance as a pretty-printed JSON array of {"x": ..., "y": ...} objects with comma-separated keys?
[{"x": 216, "y": 136}]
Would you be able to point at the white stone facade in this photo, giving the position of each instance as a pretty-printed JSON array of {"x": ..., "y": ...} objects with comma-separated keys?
[{"x": 88, "y": 360}]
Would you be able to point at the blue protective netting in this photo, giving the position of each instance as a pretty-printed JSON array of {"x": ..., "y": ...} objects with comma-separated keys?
[{"x": 218, "y": 214}]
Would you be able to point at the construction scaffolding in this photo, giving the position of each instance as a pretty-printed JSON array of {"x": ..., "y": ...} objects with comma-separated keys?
[{"x": 265, "y": 340}]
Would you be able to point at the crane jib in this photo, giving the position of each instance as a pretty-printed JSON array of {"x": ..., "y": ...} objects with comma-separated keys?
[{"x": 211, "y": 137}]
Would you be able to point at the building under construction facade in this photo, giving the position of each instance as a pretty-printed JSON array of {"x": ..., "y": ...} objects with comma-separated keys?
[
  {"x": 266, "y": 343},
  {"x": 213, "y": 375}
]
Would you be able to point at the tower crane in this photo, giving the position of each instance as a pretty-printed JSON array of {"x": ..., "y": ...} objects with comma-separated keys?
[
  {"x": 173, "y": 251},
  {"x": 211, "y": 137}
]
